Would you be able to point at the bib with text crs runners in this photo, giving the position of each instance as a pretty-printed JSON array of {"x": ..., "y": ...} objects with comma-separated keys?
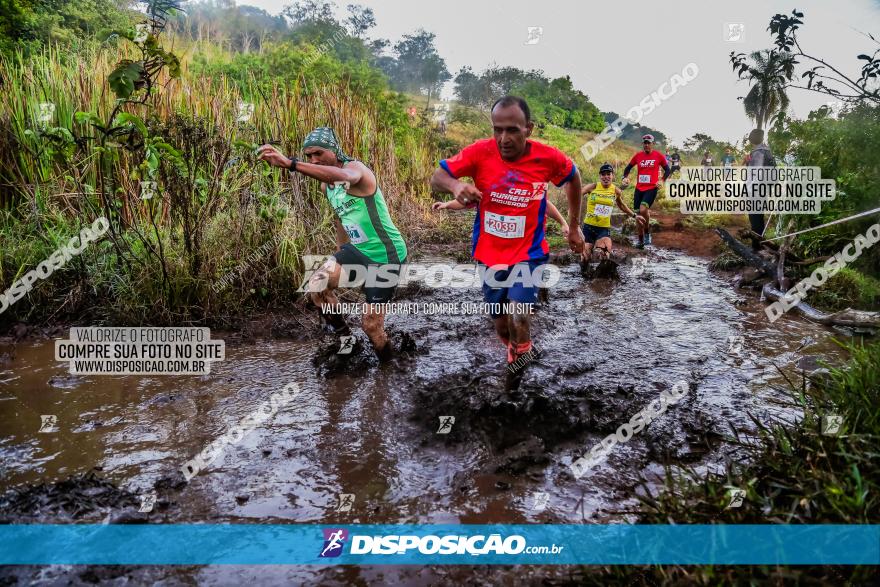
[{"x": 509, "y": 225}]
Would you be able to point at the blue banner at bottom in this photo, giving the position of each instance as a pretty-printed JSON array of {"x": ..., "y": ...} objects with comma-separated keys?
[{"x": 300, "y": 544}]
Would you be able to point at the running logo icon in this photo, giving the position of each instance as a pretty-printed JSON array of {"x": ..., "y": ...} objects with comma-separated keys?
[
  {"x": 735, "y": 344},
  {"x": 446, "y": 423},
  {"x": 540, "y": 501},
  {"x": 147, "y": 502},
  {"x": 312, "y": 264},
  {"x": 535, "y": 33},
  {"x": 346, "y": 500},
  {"x": 48, "y": 422},
  {"x": 346, "y": 344},
  {"x": 831, "y": 425},
  {"x": 47, "y": 113},
  {"x": 245, "y": 112},
  {"x": 539, "y": 190},
  {"x": 148, "y": 189},
  {"x": 734, "y": 32},
  {"x": 736, "y": 497},
  {"x": 334, "y": 540},
  {"x": 639, "y": 266}
]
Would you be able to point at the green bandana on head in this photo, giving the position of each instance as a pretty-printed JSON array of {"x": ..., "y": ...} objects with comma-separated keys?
[{"x": 326, "y": 138}]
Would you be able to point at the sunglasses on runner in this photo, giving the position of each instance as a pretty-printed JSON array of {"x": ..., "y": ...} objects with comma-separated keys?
[{"x": 647, "y": 142}]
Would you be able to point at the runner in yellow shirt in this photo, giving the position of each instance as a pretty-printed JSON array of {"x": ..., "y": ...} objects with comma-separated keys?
[{"x": 600, "y": 199}]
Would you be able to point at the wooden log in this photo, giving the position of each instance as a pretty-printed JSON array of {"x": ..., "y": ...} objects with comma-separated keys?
[
  {"x": 746, "y": 253},
  {"x": 849, "y": 317},
  {"x": 781, "y": 281}
]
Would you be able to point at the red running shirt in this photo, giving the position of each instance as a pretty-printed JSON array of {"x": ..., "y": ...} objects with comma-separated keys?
[
  {"x": 648, "y": 167},
  {"x": 509, "y": 225}
]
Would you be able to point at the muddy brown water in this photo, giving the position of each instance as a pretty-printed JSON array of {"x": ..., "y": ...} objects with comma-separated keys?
[{"x": 370, "y": 430}]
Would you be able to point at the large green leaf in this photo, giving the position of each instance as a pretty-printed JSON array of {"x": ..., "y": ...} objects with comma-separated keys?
[
  {"x": 82, "y": 117},
  {"x": 126, "y": 118},
  {"x": 123, "y": 78}
]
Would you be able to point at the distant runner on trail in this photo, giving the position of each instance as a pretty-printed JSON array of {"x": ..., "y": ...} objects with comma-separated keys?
[
  {"x": 510, "y": 174},
  {"x": 760, "y": 156},
  {"x": 728, "y": 160},
  {"x": 600, "y": 199},
  {"x": 649, "y": 162},
  {"x": 365, "y": 234},
  {"x": 674, "y": 162}
]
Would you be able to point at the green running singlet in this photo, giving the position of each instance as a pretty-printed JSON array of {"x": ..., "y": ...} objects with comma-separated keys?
[{"x": 368, "y": 224}]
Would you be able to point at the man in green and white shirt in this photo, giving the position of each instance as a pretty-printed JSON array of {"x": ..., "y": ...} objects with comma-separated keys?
[{"x": 365, "y": 234}]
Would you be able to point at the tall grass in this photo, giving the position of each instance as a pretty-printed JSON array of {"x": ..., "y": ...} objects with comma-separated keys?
[
  {"x": 792, "y": 474},
  {"x": 210, "y": 212}
]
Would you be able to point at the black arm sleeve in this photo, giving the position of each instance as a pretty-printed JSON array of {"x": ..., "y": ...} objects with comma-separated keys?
[
  {"x": 627, "y": 169},
  {"x": 665, "y": 171}
]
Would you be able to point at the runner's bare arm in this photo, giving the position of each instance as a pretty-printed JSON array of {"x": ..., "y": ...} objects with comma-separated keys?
[
  {"x": 444, "y": 183},
  {"x": 588, "y": 189},
  {"x": 553, "y": 212},
  {"x": 620, "y": 202},
  {"x": 625, "y": 181},
  {"x": 355, "y": 173},
  {"x": 450, "y": 205},
  {"x": 361, "y": 180},
  {"x": 573, "y": 193}
]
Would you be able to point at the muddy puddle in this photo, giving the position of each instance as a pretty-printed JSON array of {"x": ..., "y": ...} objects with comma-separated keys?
[{"x": 609, "y": 349}]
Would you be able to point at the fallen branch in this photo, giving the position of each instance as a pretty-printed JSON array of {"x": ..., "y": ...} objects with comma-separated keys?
[
  {"x": 849, "y": 317},
  {"x": 781, "y": 281},
  {"x": 746, "y": 253}
]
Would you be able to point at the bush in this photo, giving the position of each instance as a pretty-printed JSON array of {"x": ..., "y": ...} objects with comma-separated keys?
[
  {"x": 846, "y": 149},
  {"x": 847, "y": 289}
]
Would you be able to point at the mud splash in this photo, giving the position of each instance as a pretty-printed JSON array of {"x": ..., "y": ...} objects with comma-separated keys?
[{"x": 609, "y": 347}]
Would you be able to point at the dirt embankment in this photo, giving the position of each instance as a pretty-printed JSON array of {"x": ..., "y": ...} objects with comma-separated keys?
[{"x": 677, "y": 234}]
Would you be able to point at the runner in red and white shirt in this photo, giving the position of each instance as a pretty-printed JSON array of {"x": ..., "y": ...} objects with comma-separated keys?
[
  {"x": 511, "y": 176},
  {"x": 648, "y": 164}
]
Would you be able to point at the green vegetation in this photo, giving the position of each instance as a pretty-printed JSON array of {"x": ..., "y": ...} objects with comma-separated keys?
[
  {"x": 634, "y": 132},
  {"x": 128, "y": 111},
  {"x": 847, "y": 289},
  {"x": 28, "y": 25},
  {"x": 131, "y": 111},
  {"x": 795, "y": 475},
  {"x": 843, "y": 144},
  {"x": 552, "y": 102},
  {"x": 847, "y": 148},
  {"x": 726, "y": 261}
]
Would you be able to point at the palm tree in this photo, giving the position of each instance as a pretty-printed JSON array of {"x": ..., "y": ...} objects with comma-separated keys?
[{"x": 769, "y": 73}]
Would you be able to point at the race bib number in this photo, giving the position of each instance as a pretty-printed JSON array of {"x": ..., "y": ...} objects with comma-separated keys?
[
  {"x": 504, "y": 226},
  {"x": 602, "y": 210},
  {"x": 355, "y": 233},
  {"x": 644, "y": 178}
]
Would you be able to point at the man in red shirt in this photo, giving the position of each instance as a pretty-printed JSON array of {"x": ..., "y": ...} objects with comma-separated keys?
[
  {"x": 649, "y": 162},
  {"x": 510, "y": 176}
]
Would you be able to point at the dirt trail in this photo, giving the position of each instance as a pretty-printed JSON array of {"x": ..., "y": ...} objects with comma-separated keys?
[{"x": 610, "y": 348}]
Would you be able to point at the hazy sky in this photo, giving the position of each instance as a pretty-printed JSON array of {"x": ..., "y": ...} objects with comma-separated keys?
[{"x": 618, "y": 52}]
